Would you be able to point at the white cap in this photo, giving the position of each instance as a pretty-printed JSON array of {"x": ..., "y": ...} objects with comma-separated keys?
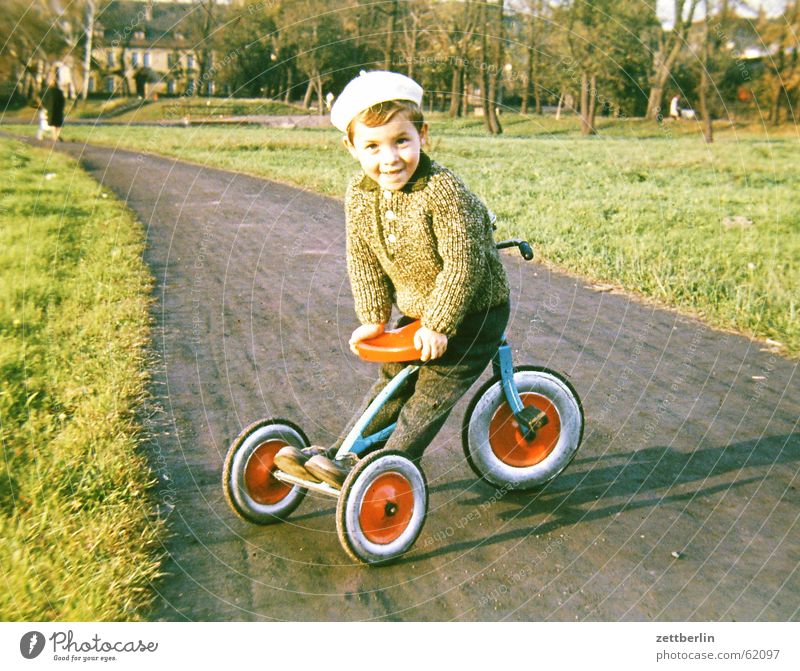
[{"x": 371, "y": 88}]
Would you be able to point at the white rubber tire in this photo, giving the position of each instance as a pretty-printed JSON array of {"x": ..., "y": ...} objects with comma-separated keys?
[
  {"x": 482, "y": 408},
  {"x": 239, "y": 454},
  {"x": 366, "y": 471}
]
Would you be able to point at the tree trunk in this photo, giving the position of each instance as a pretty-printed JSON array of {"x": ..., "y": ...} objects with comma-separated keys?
[
  {"x": 775, "y": 108},
  {"x": 288, "y": 97},
  {"x": 455, "y": 92},
  {"x": 493, "y": 70},
  {"x": 708, "y": 131},
  {"x": 560, "y": 105},
  {"x": 588, "y": 99},
  {"x": 528, "y": 78},
  {"x": 320, "y": 100},
  {"x": 389, "y": 58},
  {"x": 205, "y": 52},
  {"x": 87, "y": 52},
  {"x": 309, "y": 94}
]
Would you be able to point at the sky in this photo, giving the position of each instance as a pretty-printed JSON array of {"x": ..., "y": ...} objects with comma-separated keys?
[{"x": 665, "y": 8}]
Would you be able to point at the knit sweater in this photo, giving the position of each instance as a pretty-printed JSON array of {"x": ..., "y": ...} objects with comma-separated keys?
[{"x": 428, "y": 247}]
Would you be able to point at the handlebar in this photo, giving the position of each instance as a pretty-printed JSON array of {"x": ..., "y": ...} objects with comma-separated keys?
[{"x": 524, "y": 247}]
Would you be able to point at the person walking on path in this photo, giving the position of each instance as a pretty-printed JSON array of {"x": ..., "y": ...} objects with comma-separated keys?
[
  {"x": 417, "y": 237},
  {"x": 53, "y": 101}
]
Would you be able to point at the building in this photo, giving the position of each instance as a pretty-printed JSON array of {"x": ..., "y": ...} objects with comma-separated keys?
[{"x": 146, "y": 46}]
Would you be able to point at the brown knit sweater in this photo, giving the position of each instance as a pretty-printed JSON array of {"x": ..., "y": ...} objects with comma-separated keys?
[{"x": 428, "y": 247}]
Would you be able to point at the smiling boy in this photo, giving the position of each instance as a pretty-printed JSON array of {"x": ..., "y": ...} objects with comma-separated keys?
[{"x": 417, "y": 237}]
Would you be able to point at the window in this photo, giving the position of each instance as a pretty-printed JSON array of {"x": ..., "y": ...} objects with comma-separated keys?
[
  {"x": 171, "y": 87},
  {"x": 189, "y": 62},
  {"x": 110, "y": 59},
  {"x": 110, "y": 84},
  {"x": 147, "y": 59},
  {"x": 135, "y": 59}
]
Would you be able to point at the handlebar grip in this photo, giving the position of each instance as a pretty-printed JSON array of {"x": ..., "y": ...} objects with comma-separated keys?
[{"x": 526, "y": 250}]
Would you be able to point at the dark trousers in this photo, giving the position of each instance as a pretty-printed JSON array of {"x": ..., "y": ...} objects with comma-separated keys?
[{"x": 423, "y": 404}]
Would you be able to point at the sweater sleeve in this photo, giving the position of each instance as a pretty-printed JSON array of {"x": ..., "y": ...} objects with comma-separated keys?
[
  {"x": 458, "y": 223},
  {"x": 372, "y": 289}
]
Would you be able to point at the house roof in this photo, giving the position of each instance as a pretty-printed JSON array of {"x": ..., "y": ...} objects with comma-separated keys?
[{"x": 123, "y": 22}]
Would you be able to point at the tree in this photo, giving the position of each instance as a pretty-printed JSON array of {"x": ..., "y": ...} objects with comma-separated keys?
[
  {"x": 88, "y": 28},
  {"x": 460, "y": 21},
  {"x": 705, "y": 114},
  {"x": 781, "y": 82},
  {"x": 535, "y": 34},
  {"x": 30, "y": 42},
  {"x": 252, "y": 63},
  {"x": 492, "y": 63},
  {"x": 668, "y": 45},
  {"x": 587, "y": 33}
]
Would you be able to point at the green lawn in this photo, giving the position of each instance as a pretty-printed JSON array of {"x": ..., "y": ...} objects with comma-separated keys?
[
  {"x": 640, "y": 206},
  {"x": 166, "y": 108},
  {"x": 79, "y": 528}
]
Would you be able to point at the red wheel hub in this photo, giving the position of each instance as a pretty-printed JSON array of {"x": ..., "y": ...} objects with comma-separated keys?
[
  {"x": 507, "y": 441},
  {"x": 387, "y": 508},
  {"x": 261, "y": 486}
]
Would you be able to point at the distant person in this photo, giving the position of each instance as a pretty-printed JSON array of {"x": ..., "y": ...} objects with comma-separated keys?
[
  {"x": 44, "y": 127},
  {"x": 329, "y": 100},
  {"x": 63, "y": 77},
  {"x": 53, "y": 101},
  {"x": 675, "y": 107}
]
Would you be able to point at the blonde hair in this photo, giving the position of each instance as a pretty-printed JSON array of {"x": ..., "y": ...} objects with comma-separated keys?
[{"x": 381, "y": 113}]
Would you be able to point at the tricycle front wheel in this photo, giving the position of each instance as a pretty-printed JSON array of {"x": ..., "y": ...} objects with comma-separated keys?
[
  {"x": 382, "y": 507},
  {"x": 496, "y": 448}
]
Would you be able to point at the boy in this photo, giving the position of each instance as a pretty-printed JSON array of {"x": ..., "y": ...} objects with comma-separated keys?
[{"x": 417, "y": 237}]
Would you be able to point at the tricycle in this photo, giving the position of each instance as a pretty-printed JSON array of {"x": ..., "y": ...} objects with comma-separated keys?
[{"x": 521, "y": 429}]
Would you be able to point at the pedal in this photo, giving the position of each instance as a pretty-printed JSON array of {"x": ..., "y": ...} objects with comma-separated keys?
[{"x": 531, "y": 418}]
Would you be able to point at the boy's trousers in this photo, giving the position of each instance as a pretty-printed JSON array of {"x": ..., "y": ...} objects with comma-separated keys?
[{"x": 422, "y": 405}]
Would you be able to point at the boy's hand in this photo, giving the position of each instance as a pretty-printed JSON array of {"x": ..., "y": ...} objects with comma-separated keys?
[
  {"x": 364, "y": 332},
  {"x": 432, "y": 343}
]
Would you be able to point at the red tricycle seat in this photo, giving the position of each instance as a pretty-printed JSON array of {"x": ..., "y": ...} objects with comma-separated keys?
[{"x": 396, "y": 345}]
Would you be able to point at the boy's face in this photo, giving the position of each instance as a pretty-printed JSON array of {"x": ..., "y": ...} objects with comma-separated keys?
[{"x": 388, "y": 154}]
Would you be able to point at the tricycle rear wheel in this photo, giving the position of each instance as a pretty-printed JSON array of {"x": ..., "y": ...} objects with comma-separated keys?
[{"x": 250, "y": 488}]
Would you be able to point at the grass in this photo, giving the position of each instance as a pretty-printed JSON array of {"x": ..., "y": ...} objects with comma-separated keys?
[
  {"x": 131, "y": 110},
  {"x": 641, "y": 206},
  {"x": 80, "y": 535},
  {"x": 208, "y": 108}
]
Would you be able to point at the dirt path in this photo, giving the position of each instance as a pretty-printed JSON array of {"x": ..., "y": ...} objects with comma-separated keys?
[{"x": 691, "y": 442}]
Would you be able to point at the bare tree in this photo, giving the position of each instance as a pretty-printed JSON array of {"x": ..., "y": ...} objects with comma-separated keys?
[
  {"x": 530, "y": 81},
  {"x": 705, "y": 114},
  {"x": 88, "y": 28},
  {"x": 782, "y": 76},
  {"x": 461, "y": 23},
  {"x": 492, "y": 62},
  {"x": 668, "y": 46}
]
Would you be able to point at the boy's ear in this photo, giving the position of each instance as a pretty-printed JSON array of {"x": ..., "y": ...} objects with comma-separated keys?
[
  {"x": 349, "y": 146},
  {"x": 423, "y": 134}
]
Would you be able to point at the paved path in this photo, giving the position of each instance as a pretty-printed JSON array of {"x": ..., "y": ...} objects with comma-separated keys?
[{"x": 691, "y": 442}]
